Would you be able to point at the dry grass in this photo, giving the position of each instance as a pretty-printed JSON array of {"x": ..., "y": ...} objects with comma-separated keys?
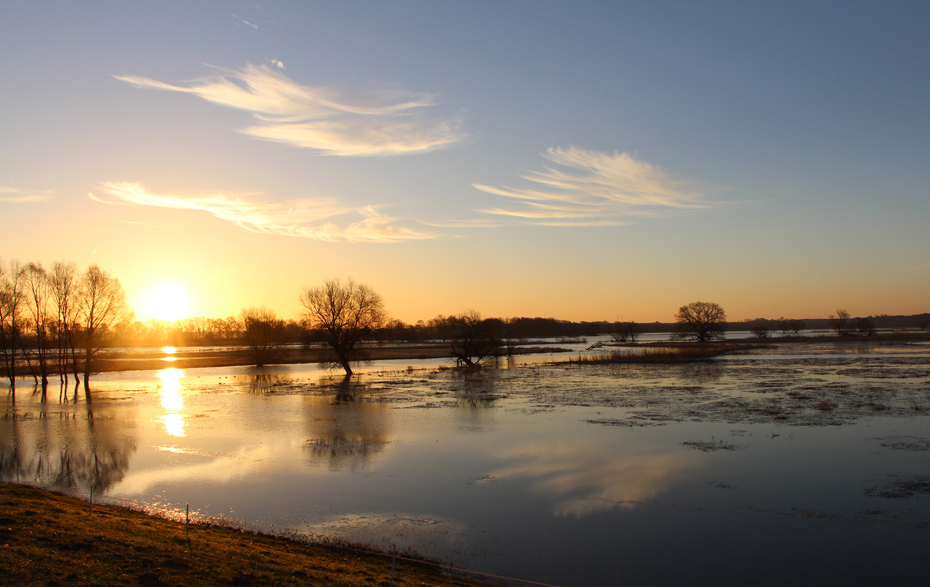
[
  {"x": 665, "y": 355},
  {"x": 49, "y": 539}
]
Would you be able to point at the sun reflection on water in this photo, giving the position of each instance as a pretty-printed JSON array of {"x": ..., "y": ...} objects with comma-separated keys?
[
  {"x": 174, "y": 425},
  {"x": 171, "y": 400}
]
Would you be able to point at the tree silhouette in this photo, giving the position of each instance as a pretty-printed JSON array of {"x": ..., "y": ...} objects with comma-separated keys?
[
  {"x": 263, "y": 332},
  {"x": 12, "y": 298},
  {"x": 39, "y": 313},
  {"x": 472, "y": 339},
  {"x": 103, "y": 307},
  {"x": 64, "y": 289},
  {"x": 840, "y": 323},
  {"x": 344, "y": 316},
  {"x": 700, "y": 321}
]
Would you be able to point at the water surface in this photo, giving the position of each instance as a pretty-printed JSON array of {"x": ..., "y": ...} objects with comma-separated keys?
[{"x": 800, "y": 464}]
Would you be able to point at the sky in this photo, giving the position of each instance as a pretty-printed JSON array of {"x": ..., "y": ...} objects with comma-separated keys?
[{"x": 577, "y": 160}]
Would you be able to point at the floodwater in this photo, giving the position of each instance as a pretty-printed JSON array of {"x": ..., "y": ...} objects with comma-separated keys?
[{"x": 801, "y": 464}]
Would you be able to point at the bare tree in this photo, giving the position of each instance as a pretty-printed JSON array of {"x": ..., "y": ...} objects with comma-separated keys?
[
  {"x": 510, "y": 335},
  {"x": 472, "y": 339},
  {"x": 103, "y": 308},
  {"x": 840, "y": 323},
  {"x": 12, "y": 296},
  {"x": 761, "y": 330},
  {"x": 625, "y": 332},
  {"x": 864, "y": 326},
  {"x": 700, "y": 321},
  {"x": 263, "y": 332},
  {"x": 232, "y": 328},
  {"x": 790, "y": 326},
  {"x": 37, "y": 294},
  {"x": 64, "y": 289},
  {"x": 344, "y": 316}
]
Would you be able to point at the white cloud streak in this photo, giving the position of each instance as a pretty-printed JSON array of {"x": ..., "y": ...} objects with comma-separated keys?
[
  {"x": 244, "y": 22},
  {"x": 298, "y": 218},
  {"x": 10, "y": 195},
  {"x": 598, "y": 189},
  {"x": 325, "y": 119}
]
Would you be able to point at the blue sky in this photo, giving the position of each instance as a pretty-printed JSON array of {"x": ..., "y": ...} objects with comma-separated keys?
[{"x": 586, "y": 161}]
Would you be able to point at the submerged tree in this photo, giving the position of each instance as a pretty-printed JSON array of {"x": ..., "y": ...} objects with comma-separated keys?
[
  {"x": 63, "y": 283},
  {"x": 761, "y": 327},
  {"x": 103, "y": 308},
  {"x": 343, "y": 316},
  {"x": 37, "y": 295},
  {"x": 625, "y": 332},
  {"x": 12, "y": 297},
  {"x": 471, "y": 338},
  {"x": 700, "y": 321},
  {"x": 840, "y": 323},
  {"x": 864, "y": 326},
  {"x": 263, "y": 332},
  {"x": 510, "y": 336},
  {"x": 790, "y": 326}
]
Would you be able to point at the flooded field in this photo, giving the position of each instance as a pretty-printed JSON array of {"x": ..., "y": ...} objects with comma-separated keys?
[{"x": 794, "y": 463}]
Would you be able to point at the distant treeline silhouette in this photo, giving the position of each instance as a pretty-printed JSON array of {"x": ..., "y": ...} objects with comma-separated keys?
[
  {"x": 220, "y": 331},
  {"x": 57, "y": 320}
]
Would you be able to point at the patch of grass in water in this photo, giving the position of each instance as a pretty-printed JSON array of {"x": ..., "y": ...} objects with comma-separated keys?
[
  {"x": 711, "y": 446},
  {"x": 652, "y": 355},
  {"x": 900, "y": 486}
]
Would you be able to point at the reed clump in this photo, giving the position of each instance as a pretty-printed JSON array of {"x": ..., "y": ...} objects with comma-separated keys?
[{"x": 656, "y": 355}]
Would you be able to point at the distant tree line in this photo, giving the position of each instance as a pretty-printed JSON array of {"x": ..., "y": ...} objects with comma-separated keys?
[
  {"x": 57, "y": 320},
  {"x": 842, "y": 324}
]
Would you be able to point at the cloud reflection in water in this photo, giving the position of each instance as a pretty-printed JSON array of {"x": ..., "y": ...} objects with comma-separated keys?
[{"x": 586, "y": 480}]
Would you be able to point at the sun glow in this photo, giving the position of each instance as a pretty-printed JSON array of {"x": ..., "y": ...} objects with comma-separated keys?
[{"x": 168, "y": 301}]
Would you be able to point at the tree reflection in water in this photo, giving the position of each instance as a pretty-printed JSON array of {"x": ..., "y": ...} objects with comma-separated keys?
[
  {"x": 263, "y": 383},
  {"x": 346, "y": 428},
  {"x": 66, "y": 447},
  {"x": 475, "y": 388}
]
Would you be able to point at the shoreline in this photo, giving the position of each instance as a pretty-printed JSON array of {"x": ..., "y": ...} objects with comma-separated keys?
[
  {"x": 231, "y": 356},
  {"x": 51, "y": 538}
]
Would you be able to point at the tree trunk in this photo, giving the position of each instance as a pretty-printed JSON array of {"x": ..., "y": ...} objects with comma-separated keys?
[{"x": 345, "y": 364}]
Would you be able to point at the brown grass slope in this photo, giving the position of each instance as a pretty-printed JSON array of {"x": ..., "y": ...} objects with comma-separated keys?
[{"x": 50, "y": 539}]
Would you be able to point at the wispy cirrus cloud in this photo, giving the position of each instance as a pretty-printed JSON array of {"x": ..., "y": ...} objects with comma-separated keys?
[
  {"x": 326, "y": 119},
  {"x": 11, "y": 195},
  {"x": 597, "y": 189},
  {"x": 298, "y": 218}
]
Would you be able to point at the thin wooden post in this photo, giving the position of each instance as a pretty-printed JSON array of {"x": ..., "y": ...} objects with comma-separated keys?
[
  {"x": 187, "y": 520},
  {"x": 90, "y": 507},
  {"x": 393, "y": 559}
]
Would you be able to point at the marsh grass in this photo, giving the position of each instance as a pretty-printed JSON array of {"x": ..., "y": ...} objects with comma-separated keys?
[
  {"x": 50, "y": 539},
  {"x": 660, "y": 355}
]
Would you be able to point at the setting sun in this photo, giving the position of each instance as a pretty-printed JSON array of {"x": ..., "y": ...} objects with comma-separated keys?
[{"x": 168, "y": 301}]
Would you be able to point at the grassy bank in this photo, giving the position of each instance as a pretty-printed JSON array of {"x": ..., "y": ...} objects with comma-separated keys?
[{"x": 50, "y": 539}]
